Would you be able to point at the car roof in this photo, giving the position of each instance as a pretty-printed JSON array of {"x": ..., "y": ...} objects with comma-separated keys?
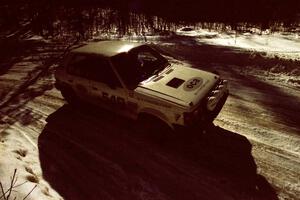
[{"x": 107, "y": 48}]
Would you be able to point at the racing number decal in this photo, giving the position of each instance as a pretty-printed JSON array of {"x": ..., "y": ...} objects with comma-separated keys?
[
  {"x": 115, "y": 100},
  {"x": 193, "y": 84}
]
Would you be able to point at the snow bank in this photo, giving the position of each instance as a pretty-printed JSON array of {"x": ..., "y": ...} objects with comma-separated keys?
[{"x": 285, "y": 46}]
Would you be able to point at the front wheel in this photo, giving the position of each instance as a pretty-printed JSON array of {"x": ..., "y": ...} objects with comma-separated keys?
[{"x": 154, "y": 127}]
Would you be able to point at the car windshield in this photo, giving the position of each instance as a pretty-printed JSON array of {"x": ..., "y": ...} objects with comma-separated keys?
[{"x": 139, "y": 64}]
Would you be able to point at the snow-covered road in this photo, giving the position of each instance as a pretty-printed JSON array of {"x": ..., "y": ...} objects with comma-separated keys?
[{"x": 251, "y": 152}]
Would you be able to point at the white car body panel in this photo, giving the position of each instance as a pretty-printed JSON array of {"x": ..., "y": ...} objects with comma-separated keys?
[
  {"x": 179, "y": 95},
  {"x": 167, "y": 95}
]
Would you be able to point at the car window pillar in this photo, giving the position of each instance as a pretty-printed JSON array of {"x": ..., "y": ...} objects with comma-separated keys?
[{"x": 118, "y": 75}]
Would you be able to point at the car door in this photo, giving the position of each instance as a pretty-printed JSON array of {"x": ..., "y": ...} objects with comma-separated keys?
[
  {"x": 76, "y": 75},
  {"x": 105, "y": 89},
  {"x": 126, "y": 68}
]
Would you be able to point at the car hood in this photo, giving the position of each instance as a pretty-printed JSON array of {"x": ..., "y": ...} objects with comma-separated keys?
[{"x": 181, "y": 85}]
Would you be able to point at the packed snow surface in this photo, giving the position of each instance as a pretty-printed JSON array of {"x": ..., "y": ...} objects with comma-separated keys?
[{"x": 251, "y": 152}]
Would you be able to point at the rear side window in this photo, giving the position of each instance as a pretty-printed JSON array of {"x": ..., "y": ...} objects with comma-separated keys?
[
  {"x": 75, "y": 66},
  {"x": 93, "y": 68}
]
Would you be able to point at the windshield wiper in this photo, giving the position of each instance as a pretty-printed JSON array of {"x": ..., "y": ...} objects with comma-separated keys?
[{"x": 155, "y": 72}]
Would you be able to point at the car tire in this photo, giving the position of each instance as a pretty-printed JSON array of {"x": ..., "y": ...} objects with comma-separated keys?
[{"x": 154, "y": 127}]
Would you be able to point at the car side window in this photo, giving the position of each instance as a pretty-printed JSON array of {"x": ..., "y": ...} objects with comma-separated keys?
[
  {"x": 146, "y": 56},
  {"x": 146, "y": 59},
  {"x": 93, "y": 68},
  {"x": 75, "y": 66}
]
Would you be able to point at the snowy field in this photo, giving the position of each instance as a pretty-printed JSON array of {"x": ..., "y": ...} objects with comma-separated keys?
[
  {"x": 271, "y": 43},
  {"x": 251, "y": 152}
]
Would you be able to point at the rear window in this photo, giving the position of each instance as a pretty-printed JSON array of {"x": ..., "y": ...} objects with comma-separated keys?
[{"x": 92, "y": 67}]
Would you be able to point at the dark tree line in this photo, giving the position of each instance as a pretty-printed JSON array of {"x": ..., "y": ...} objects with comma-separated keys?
[
  {"x": 229, "y": 11},
  {"x": 89, "y": 17}
]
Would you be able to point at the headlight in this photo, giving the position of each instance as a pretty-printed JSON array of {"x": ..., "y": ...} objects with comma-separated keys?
[{"x": 211, "y": 103}]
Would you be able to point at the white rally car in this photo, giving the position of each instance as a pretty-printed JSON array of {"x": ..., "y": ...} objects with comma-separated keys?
[{"x": 134, "y": 80}]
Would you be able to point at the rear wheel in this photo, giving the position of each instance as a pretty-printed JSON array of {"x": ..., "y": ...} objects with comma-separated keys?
[{"x": 69, "y": 96}]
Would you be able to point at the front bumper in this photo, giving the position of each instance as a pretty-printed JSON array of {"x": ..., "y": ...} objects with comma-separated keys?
[
  {"x": 205, "y": 118},
  {"x": 211, "y": 115},
  {"x": 209, "y": 108}
]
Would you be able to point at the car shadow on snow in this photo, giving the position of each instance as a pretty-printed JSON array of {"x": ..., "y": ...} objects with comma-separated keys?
[{"x": 92, "y": 154}]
